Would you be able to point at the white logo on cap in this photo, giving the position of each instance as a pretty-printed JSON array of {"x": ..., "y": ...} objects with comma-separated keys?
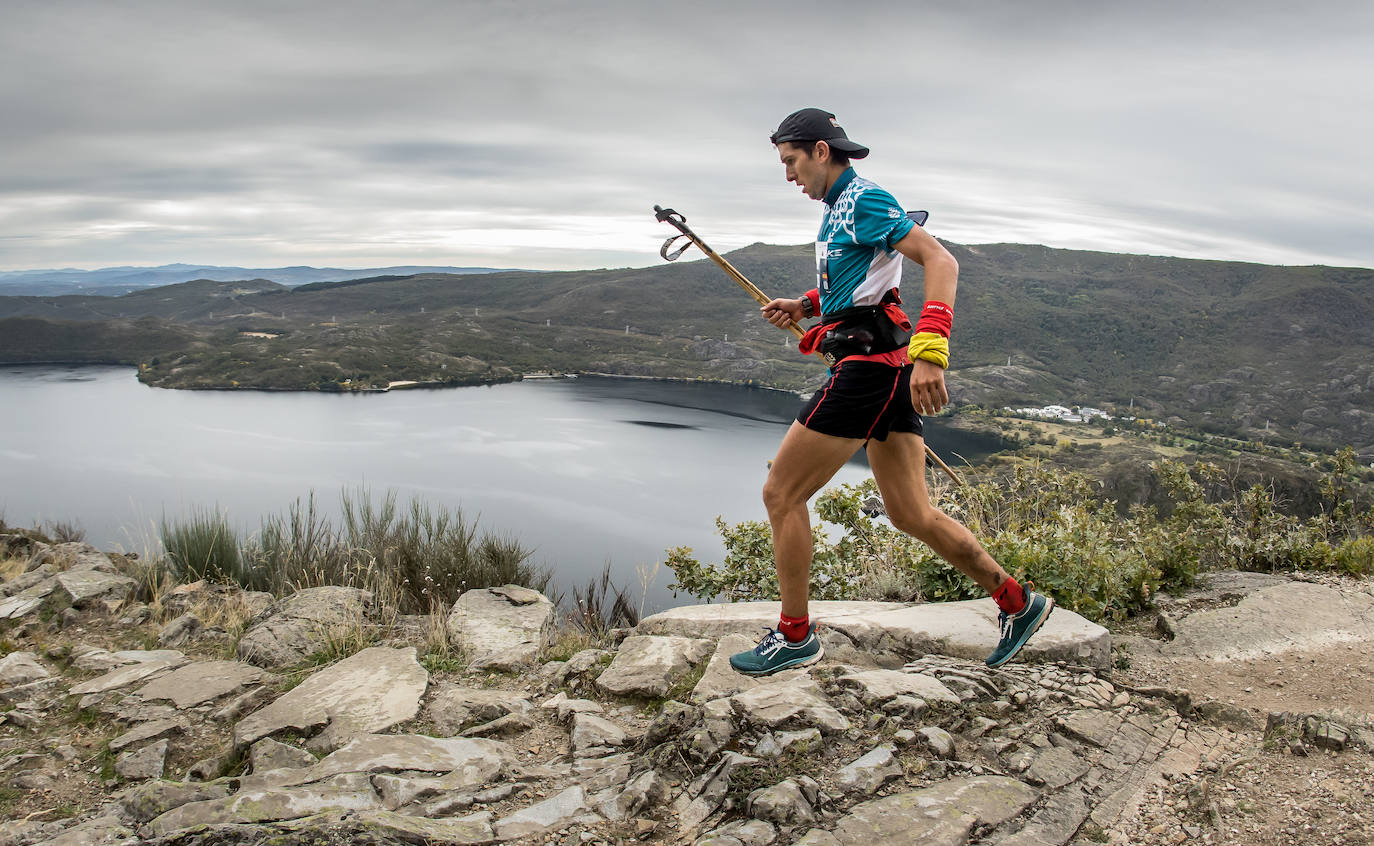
[{"x": 834, "y": 124}]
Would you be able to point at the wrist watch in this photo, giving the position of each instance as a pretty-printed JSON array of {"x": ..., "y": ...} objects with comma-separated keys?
[{"x": 808, "y": 310}]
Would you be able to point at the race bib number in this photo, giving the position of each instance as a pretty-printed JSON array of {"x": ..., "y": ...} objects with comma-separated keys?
[{"x": 823, "y": 266}]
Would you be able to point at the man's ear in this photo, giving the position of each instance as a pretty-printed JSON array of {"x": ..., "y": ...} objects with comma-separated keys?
[{"x": 822, "y": 151}]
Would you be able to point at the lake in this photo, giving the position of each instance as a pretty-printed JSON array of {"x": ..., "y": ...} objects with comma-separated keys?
[{"x": 583, "y": 471}]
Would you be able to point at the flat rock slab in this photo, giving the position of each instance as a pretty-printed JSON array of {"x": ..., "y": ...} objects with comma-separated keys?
[
  {"x": 152, "y": 730},
  {"x": 796, "y": 701},
  {"x": 145, "y": 763},
  {"x": 143, "y": 802},
  {"x": 1232, "y": 584},
  {"x": 253, "y": 806},
  {"x": 366, "y": 692},
  {"x": 268, "y": 754},
  {"x": 1089, "y": 725},
  {"x": 958, "y": 629},
  {"x": 23, "y": 582},
  {"x": 565, "y": 708},
  {"x": 745, "y": 618},
  {"x": 125, "y": 676},
  {"x": 100, "y": 660},
  {"x": 26, "y": 601},
  {"x": 591, "y": 732},
  {"x": 101, "y": 830},
  {"x": 460, "y": 831},
  {"x": 941, "y": 815},
  {"x": 868, "y": 773},
  {"x": 21, "y": 668},
  {"x": 1056, "y": 767},
  {"x": 291, "y": 630},
  {"x": 202, "y": 682},
  {"x": 501, "y": 628},
  {"x": 394, "y": 753},
  {"x": 969, "y": 630},
  {"x": 720, "y": 679},
  {"x": 875, "y": 687},
  {"x": 1273, "y": 620},
  {"x": 560, "y": 810},
  {"x": 399, "y": 790},
  {"x": 648, "y": 665},
  {"x": 85, "y": 587},
  {"x": 453, "y": 708}
]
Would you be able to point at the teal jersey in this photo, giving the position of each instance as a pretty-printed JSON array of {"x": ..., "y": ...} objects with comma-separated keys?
[{"x": 855, "y": 262}]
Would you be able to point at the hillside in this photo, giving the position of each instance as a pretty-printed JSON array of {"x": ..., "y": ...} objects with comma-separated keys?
[
  {"x": 114, "y": 281},
  {"x": 1250, "y": 349}
]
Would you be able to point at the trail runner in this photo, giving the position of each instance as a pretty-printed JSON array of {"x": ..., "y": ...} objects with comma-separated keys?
[{"x": 886, "y": 377}]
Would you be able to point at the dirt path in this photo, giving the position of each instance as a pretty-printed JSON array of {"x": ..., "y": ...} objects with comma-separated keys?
[{"x": 1268, "y": 794}]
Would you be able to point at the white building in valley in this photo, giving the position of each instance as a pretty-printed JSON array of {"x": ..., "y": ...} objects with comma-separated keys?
[{"x": 1077, "y": 414}]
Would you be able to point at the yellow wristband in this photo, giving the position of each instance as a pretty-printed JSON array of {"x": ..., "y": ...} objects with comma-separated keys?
[{"x": 929, "y": 346}]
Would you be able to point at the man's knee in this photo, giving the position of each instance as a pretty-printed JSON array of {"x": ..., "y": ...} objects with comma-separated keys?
[
  {"x": 775, "y": 498},
  {"x": 781, "y": 497}
]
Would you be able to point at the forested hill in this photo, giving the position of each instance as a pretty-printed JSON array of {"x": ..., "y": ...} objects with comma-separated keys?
[{"x": 1229, "y": 346}]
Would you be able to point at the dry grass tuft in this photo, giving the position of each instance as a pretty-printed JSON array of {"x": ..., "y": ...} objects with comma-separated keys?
[
  {"x": 229, "y": 612},
  {"x": 570, "y": 641},
  {"x": 12, "y": 567}
]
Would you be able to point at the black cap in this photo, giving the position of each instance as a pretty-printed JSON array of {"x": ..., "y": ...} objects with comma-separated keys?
[{"x": 817, "y": 125}]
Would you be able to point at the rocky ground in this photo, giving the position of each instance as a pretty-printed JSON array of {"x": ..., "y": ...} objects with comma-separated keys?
[
  {"x": 1269, "y": 652},
  {"x": 210, "y": 715}
]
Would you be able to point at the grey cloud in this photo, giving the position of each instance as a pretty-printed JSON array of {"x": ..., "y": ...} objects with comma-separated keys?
[{"x": 301, "y": 131}]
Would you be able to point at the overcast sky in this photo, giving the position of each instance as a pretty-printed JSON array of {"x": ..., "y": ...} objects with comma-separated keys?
[{"x": 540, "y": 134}]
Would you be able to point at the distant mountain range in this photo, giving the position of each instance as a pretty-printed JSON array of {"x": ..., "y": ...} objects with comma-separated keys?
[
  {"x": 1259, "y": 351},
  {"x": 113, "y": 281}
]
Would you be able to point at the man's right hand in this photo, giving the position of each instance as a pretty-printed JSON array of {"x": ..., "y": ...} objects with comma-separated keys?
[{"x": 783, "y": 313}]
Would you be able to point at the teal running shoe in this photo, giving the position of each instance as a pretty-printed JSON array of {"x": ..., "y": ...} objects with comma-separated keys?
[
  {"x": 776, "y": 653},
  {"x": 1017, "y": 628}
]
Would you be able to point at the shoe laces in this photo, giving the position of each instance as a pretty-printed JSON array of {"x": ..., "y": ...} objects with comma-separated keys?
[
  {"x": 772, "y": 641},
  {"x": 1004, "y": 624}
]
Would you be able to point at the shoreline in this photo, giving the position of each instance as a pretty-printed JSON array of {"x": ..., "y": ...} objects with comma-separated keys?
[{"x": 410, "y": 385}]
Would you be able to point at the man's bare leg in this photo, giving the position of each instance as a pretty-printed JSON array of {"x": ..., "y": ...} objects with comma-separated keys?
[
  {"x": 899, "y": 469},
  {"x": 804, "y": 463}
]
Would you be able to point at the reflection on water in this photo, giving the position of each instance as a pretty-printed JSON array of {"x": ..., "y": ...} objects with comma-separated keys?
[
  {"x": 584, "y": 471},
  {"x": 660, "y": 424}
]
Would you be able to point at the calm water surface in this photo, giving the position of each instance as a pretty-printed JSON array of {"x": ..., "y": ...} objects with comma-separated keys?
[{"x": 584, "y": 471}]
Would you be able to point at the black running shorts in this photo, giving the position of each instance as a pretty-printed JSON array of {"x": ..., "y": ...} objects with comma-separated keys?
[{"x": 863, "y": 400}]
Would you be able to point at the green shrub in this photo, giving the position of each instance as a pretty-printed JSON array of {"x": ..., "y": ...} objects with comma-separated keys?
[
  {"x": 1049, "y": 526},
  {"x": 413, "y": 559},
  {"x": 203, "y": 546},
  {"x": 1355, "y": 556}
]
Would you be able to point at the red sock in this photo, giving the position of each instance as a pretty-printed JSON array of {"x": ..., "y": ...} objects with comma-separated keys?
[
  {"x": 794, "y": 628},
  {"x": 1010, "y": 596}
]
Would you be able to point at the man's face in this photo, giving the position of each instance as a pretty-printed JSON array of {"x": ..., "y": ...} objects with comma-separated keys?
[{"x": 804, "y": 168}]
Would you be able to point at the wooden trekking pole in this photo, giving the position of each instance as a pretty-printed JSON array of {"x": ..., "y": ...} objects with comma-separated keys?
[{"x": 679, "y": 222}]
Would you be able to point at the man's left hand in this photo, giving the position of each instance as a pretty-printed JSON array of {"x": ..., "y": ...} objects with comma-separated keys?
[{"x": 928, "y": 394}]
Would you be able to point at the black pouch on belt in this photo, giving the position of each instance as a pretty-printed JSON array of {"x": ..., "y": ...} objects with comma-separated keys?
[{"x": 863, "y": 330}]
